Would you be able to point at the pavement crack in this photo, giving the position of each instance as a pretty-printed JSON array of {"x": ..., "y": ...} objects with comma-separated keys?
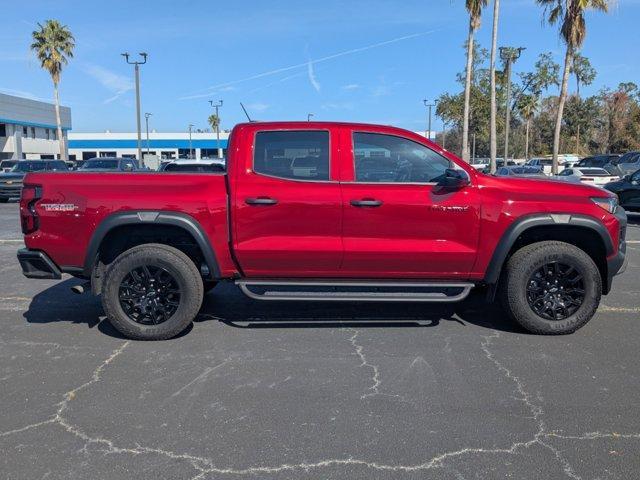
[{"x": 375, "y": 372}]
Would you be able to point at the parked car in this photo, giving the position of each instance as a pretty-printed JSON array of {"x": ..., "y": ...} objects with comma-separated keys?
[
  {"x": 7, "y": 165},
  {"x": 545, "y": 163},
  {"x": 194, "y": 166},
  {"x": 600, "y": 161},
  {"x": 109, "y": 164},
  {"x": 312, "y": 211},
  {"x": 11, "y": 182},
  {"x": 626, "y": 164},
  {"x": 499, "y": 164},
  {"x": 628, "y": 191},
  {"x": 591, "y": 176},
  {"x": 521, "y": 171}
]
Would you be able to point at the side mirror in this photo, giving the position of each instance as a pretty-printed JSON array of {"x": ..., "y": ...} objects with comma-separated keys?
[{"x": 453, "y": 179}]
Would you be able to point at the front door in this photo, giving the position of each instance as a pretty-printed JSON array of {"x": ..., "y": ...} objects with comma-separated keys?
[
  {"x": 287, "y": 207},
  {"x": 398, "y": 223}
]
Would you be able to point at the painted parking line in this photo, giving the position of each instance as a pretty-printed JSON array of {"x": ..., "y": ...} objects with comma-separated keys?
[
  {"x": 606, "y": 308},
  {"x": 11, "y": 240}
]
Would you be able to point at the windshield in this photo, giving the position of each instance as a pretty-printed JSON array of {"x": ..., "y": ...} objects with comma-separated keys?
[
  {"x": 29, "y": 166},
  {"x": 102, "y": 164},
  {"x": 630, "y": 157},
  {"x": 57, "y": 165}
]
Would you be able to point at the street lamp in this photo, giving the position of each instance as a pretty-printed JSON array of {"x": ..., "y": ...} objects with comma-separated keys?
[
  {"x": 216, "y": 106},
  {"x": 508, "y": 55},
  {"x": 190, "y": 143},
  {"x": 309, "y": 115},
  {"x": 146, "y": 120},
  {"x": 137, "y": 64},
  {"x": 428, "y": 105}
]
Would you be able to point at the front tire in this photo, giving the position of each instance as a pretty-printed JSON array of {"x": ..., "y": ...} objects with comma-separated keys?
[
  {"x": 551, "y": 288},
  {"x": 152, "y": 292}
]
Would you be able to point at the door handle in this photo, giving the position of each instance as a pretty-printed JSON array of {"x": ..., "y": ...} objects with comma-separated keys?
[
  {"x": 261, "y": 201},
  {"x": 366, "y": 202}
]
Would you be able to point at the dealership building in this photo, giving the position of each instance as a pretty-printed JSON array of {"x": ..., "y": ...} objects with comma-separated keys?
[
  {"x": 165, "y": 146},
  {"x": 28, "y": 128}
]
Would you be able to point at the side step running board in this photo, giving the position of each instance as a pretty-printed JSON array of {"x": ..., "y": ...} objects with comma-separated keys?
[{"x": 359, "y": 291}]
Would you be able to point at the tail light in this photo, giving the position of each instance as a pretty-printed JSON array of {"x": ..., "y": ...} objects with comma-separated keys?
[{"x": 28, "y": 215}]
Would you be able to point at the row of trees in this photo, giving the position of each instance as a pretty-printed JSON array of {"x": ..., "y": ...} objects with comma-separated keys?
[
  {"x": 606, "y": 122},
  {"x": 569, "y": 16}
]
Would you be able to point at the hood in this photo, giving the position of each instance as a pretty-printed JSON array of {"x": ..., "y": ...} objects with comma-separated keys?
[
  {"x": 544, "y": 187},
  {"x": 16, "y": 176}
]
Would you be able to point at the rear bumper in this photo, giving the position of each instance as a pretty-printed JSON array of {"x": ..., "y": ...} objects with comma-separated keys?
[
  {"x": 617, "y": 263},
  {"x": 37, "y": 264}
]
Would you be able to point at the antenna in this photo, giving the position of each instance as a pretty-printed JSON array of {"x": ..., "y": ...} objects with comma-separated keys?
[{"x": 245, "y": 112}]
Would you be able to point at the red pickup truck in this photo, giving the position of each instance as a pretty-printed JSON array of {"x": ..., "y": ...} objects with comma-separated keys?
[{"x": 311, "y": 211}]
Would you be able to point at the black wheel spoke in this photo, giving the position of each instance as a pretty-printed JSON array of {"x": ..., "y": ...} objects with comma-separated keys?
[
  {"x": 555, "y": 290},
  {"x": 149, "y": 295}
]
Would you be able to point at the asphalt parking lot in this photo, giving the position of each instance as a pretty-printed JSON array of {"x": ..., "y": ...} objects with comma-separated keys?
[{"x": 313, "y": 391}]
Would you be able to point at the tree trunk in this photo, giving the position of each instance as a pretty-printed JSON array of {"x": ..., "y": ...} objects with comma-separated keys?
[
  {"x": 526, "y": 139},
  {"x": 58, "y": 121},
  {"x": 467, "y": 96},
  {"x": 494, "y": 47},
  {"x": 561, "y": 102}
]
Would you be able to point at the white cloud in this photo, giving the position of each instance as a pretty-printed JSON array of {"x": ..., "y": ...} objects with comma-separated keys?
[
  {"x": 257, "y": 107},
  {"x": 114, "y": 82},
  {"x": 351, "y": 86},
  {"x": 312, "y": 76},
  {"x": 338, "y": 106}
]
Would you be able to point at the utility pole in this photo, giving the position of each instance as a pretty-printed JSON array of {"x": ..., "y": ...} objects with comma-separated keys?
[
  {"x": 137, "y": 64},
  {"x": 216, "y": 106},
  {"x": 444, "y": 134},
  {"x": 508, "y": 55},
  {"x": 146, "y": 119},
  {"x": 473, "y": 153},
  {"x": 309, "y": 115},
  {"x": 428, "y": 105},
  {"x": 190, "y": 143}
]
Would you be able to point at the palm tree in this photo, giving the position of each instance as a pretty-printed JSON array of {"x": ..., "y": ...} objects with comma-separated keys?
[
  {"x": 493, "y": 142},
  {"x": 527, "y": 105},
  {"x": 474, "y": 7},
  {"x": 53, "y": 44},
  {"x": 583, "y": 71},
  {"x": 569, "y": 14},
  {"x": 214, "y": 121}
]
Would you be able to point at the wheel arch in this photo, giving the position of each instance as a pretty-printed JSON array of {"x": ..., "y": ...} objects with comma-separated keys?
[
  {"x": 585, "y": 232},
  {"x": 144, "y": 219}
]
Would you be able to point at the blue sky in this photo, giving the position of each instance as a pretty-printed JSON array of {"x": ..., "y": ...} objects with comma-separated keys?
[{"x": 354, "y": 60}]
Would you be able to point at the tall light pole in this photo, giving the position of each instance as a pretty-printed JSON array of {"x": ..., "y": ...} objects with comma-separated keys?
[
  {"x": 508, "y": 55},
  {"x": 309, "y": 115},
  {"x": 216, "y": 106},
  {"x": 190, "y": 143},
  {"x": 473, "y": 153},
  {"x": 137, "y": 64},
  {"x": 428, "y": 105},
  {"x": 146, "y": 120}
]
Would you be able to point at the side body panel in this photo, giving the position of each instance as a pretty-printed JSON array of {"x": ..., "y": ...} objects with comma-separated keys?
[{"x": 65, "y": 235}]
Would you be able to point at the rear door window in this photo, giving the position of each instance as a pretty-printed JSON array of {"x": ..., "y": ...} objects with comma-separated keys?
[{"x": 296, "y": 155}]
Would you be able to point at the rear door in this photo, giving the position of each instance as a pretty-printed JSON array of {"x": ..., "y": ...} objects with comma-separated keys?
[
  {"x": 287, "y": 203},
  {"x": 398, "y": 223}
]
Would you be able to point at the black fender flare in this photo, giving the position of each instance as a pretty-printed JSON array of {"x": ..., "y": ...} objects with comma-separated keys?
[
  {"x": 519, "y": 226},
  {"x": 147, "y": 217}
]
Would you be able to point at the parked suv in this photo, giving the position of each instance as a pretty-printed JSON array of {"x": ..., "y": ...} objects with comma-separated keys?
[
  {"x": 626, "y": 164},
  {"x": 109, "y": 164},
  {"x": 608, "y": 162},
  {"x": 11, "y": 182},
  {"x": 323, "y": 211}
]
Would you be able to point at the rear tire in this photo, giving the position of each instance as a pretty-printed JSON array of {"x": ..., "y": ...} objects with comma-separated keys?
[
  {"x": 152, "y": 292},
  {"x": 551, "y": 288}
]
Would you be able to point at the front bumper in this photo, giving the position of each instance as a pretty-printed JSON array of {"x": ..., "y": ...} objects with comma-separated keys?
[
  {"x": 37, "y": 264},
  {"x": 617, "y": 264}
]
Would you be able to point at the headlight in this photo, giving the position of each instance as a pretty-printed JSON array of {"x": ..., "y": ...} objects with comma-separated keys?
[{"x": 608, "y": 203}]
